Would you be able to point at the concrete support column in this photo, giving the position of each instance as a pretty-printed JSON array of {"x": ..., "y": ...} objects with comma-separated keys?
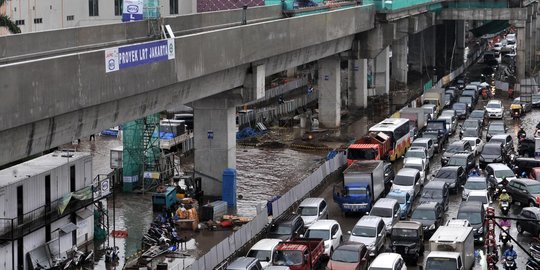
[
  {"x": 430, "y": 46},
  {"x": 215, "y": 140},
  {"x": 382, "y": 72},
  {"x": 416, "y": 57},
  {"x": 460, "y": 34},
  {"x": 330, "y": 92},
  {"x": 521, "y": 57},
  {"x": 532, "y": 42},
  {"x": 358, "y": 88},
  {"x": 400, "y": 67},
  {"x": 529, "y": 44}
]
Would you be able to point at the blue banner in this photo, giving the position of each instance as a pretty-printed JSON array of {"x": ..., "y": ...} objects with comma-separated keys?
[
  {"x": 132, "y": 10},
  {"x": 139, "y": 54}
]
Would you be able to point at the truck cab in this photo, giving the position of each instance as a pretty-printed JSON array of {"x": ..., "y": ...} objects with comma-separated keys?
[
  {"x": 371, "y": 147},
  {"x": 299, "y": 254}
]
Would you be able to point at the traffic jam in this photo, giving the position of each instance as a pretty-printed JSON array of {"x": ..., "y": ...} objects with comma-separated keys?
[{"x": 449, "y": 184}]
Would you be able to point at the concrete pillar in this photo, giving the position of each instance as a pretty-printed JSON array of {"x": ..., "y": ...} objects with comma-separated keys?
[
  {"x": 528, "y": 44},
  {"x": 532, "y": 42},
  {"x": 400, "y": 67},
  {"x": 416, "y": 57},
  {"x": 521, "y": 33},
  {"x": 358, "y": 88},
  {"x": 330, "y": 92},
  {"x": 460, "y": 34},
  {"x": 382, "y": 72},
  {"x": 430, "y": 46},
  {"x": 215, "y": 140}
]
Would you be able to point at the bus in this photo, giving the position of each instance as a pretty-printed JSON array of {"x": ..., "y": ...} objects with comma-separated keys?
[{"x": 398, "y": 130}]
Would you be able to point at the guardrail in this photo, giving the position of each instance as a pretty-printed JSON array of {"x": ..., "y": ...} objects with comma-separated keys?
[{"x": 220, "y": 255}]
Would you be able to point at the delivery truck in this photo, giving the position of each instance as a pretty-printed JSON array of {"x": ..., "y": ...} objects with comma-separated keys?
[{"x": 451, "y": 247}]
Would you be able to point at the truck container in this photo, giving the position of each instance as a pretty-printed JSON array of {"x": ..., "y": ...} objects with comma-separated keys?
[
  {"x": 451, "y": 247},
  {"x": 417, "y": 119},
  {"x": 291, "y": 253},
  {"x": 374, "y": 146},
  {"x": 363, "y": 184}
]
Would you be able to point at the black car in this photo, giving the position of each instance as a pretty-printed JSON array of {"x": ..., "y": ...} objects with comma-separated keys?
[
  {"x": 506, "y": 140},
  {"x": 436, "y": 191},
  {"x": 471, "y": 128},
  {"x": 430, "y": 214},
  {"x": 462, "y": 110},
  {"x": 526, "y": 148},
  {"x": 522, "y": 164},
  {"x": 474, "y": 212},
  {"x": 480, "y": 115},
  {"x": 495, "y": 128},
  {"x": 525, "y": 191},
  {"x": 453, "y": 148},
  {"x": 463, "y": 159},
  {"x": 493, "y": 152},
  {"x": 407, "y": 239},
  {"x": 454, "y": 176},
  {"x": 532, "y": 214},
  {"x": 388, "y": 176},
  {"x": 287, "y": 227}
]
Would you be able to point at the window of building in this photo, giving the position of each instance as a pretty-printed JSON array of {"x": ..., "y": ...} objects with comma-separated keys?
[
  {"x": 38, "y": 20},
  {"x": 70, "y": 17},
  {"x": 93, "y": 8},
  {"x": 173, "y": 5},
  {"x": 72, "y": 178},
  {"x": 118, "y": 6},
  {"x": 19, "y": 22}
]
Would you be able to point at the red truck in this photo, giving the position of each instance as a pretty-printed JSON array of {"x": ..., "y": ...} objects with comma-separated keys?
[
  {"x": 299, "y": 254},
  {"x": 370, "y": 147}
]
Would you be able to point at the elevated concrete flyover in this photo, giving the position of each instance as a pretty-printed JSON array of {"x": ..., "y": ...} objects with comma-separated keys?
[
  {"x": 483, "y": 14},
  {"x": 51, "y": 101}
]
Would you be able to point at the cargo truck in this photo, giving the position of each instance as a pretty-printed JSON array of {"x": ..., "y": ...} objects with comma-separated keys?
[
  {"x": 363, "y": 184},
  {"x": 435, "y": 97},
  {"x": 291, "y": 253},
  {"x": 417, "y": 119},
  {"x": 374, "y": 146},
  {"x": 451, "y": 247}
]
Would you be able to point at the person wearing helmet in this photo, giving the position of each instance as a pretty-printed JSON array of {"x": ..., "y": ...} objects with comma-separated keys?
[
  {"x": 521, "y": 133},
  {"x": 504, "y": 197},
  {"x": 510, "y": 252}
]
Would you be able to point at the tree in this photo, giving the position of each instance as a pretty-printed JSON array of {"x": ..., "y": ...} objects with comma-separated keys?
[{"x": 5, "y": 21}]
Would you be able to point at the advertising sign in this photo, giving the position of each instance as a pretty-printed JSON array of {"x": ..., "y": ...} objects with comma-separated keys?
[
  {"x": 118, "y": 58},
  {"x": 132, "y": 10}
]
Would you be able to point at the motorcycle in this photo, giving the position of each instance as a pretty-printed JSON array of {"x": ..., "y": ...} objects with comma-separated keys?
[
  {"x": 111, "y": 255},
  {"x": 509, "y": 263},
  {"x": 503, "y": 236},
  {"x": 522, "y": 135},
  {"x": 505, "y": 207},
  {"x": 80, "y": 258},
  {"x": 534, "y": 262}
]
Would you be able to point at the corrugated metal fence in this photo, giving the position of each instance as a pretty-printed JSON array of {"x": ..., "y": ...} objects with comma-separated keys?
[{"x": 219, "y": 255}]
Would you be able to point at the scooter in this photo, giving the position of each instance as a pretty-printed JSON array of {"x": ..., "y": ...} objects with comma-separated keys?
[
  {"x": 534, "y": 262},
  {"x": 80, "y": 258},
  {"x": 509, "y": 263},
  {"x": 505, "y": 207},
  {"x": 111, "y": 255},
  {"x": 503, "y": 236}
]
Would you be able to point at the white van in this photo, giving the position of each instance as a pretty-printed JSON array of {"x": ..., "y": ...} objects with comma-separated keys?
[{"x": 264, "y": 250}]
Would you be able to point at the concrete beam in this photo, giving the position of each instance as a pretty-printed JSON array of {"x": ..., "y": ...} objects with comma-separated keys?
[
  {"x": 483, "y": 14},
  {"x": 421, "y": 22},
  {"x": 84, "y": 82}
]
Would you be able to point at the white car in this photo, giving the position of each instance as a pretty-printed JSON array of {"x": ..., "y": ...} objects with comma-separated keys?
[
  {"x": 476, "y": 144},
  {"x": 313, "y": 209},
  {"x": 329, "y": 230},
  {"x": 479, "y": 196},
  {"x": 389, "y": 210},
  {"x": 370, "y": 231},
  {"x": 419, "y": 164},
  {"x": 388, "y": 261},
  {"x": 498, "y": 170},
  {"x": 417, "y": 152},
  {"x": 264, "y": 250},
  {"x": 426, "y": 143},
  {"x": 407, "y": 180},
  {"x": 473, "y": 183},
  {"x": 495, "y": 109}
]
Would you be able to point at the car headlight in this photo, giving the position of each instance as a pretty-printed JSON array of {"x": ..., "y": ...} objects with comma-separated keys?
[
  {"x": 431, "y": 227},
  {"x": 326, "y": 245}
]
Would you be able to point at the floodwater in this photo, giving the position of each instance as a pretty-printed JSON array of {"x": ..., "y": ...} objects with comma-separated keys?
[{"x": 262, "y": 173}]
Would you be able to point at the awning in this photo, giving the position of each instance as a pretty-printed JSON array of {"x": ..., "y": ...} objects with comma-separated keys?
[
  {"x": 84, "y": 213},
  {"x": 491, "y": 27},
  {"x": 68, "y": 228}
]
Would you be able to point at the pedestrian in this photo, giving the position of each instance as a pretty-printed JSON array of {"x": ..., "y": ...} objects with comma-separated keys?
[{"x": 92, "y": 137}]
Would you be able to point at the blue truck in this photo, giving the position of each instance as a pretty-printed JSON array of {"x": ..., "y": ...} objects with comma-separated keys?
[{"x": 363, "y": 184}]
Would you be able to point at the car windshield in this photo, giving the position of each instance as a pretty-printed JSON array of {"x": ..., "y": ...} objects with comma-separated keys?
[
  {"x": 413, "y": 166},
  {"x": 454, "y": 148},
  {"x": 281, "y": 229},
  {"x": 473, "y": 217},
  {"x": 457, "y": 161},
  {"x": 535, "y": 98},
  {"x": 261, "y": 255},
  {"x": 534, "y": 189},
  {"x": 477, "y": 115},
  {"x": 381, "y": 212},
  {"x": 288, "y": 257},
  {"x": 470, "y": 124},
  {"x": 404, "y": 180},
  {"x": 465, "y": 99},
  {"x": 475, "y": 185},
  {"x": 432, "y": 194},
  {"x": 430, "y": 135},
  {"x": 469, "y": 93},
  {"x": 357, "y": 191},
  {"x": 441, "y": 263},
  {"x": 364, "y": 231},
  {"x": 345, "y": 255},
  {"x": 417, "y": 154},
  {"x": 423, "y": 214},
  {"x": 504, "y": 173},
  {"x": 472, "y": 141},
  {"x": 459, "y": 106},
  {"x": 496, "y": 128},
  {"x": 477, "y": 198},
  {"x": 408, "y": 233},
  {"x": 361, "y": 154},
  {"x": 399, "y": 198},
  {"x": 307, "y": 211},
  {"x": 491, "y": 150},
  {"x": 446, "y": 174},
  {"x": 493, "y": 105},
  {"x": 312, "y": 233}
]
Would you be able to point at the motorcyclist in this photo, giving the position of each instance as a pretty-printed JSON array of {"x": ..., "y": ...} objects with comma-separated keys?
[
  {"x": 504, "y": 197},
  {"x": 474, "y": 171},
  {"x": 510, "y": 252},
  {"x": 505, "y": 223},
  {"x": 521, "y": 134},
  {"x": 504, "y": 182}
]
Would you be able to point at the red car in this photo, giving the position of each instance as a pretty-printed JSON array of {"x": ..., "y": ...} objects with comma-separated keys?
[{"x": 349, "y": 256}]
